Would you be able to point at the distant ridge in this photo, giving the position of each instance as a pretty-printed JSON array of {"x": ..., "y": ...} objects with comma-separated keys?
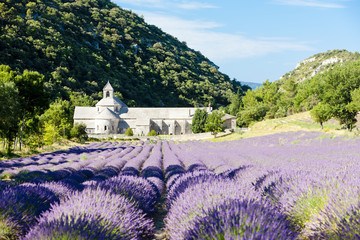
[{"x": 252, "y": 85}]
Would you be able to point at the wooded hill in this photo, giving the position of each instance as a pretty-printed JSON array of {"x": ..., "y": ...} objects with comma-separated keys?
[
  {"x": 327, "y": 83},
  {"x": 319, "y": 63},
  {"x": 80, "y": 45}
]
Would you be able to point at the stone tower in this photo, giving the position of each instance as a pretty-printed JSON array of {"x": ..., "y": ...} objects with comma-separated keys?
[{"x": 108, "y": 91}]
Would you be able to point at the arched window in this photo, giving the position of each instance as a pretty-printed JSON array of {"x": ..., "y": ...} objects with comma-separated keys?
[
  {"x": 105, "y": 128},
  {"x": 107, "y": 94}
]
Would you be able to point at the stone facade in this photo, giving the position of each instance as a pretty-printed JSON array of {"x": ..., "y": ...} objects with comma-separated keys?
[{"x": 112, "y": 116}]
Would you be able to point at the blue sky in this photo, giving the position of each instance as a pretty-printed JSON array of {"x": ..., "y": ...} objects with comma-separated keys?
[{"x": 256, "y": 40}]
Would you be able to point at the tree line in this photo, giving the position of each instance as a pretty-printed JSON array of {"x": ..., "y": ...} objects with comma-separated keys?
[
  {"x": 28, "y": 117},
  {"x": 332, "y": 94}
]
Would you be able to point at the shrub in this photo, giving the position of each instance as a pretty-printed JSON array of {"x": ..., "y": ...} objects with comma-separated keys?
[
  {"x": 20, "y": 206},
  {"x": 79, "y": 131},
  {"x": 152, "y": 133},
  {"x": 93, "y": 214},
  {"x": 129, "y": 132},
  {"x": 199, "y": 121}
]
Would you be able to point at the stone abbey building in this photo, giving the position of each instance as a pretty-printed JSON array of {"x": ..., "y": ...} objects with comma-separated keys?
[{"x": 112, "y": 116}]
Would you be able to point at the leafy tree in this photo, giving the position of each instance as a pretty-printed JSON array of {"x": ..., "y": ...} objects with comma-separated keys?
[
  {"x": 251, "y": 99},
  {"x": 339, "y": 84},
  {"x": 57, "y": 120},
  {"x": 129, "y": 132},
  {"x": 9, "y": 106},
  {"x": 214, "y": 123},
  {"x": 252, "y": 114},
  {"x": 199, "y": 121},
  {"x": 354, "y": 105},
  {"x": 235, "y": 103},
  {"x": 33, "y": 97},
  {"x": 321, "y": 113},
  {"x": 269, "y": 93}
]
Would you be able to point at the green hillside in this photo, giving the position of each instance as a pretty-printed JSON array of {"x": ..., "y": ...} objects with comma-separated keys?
[
  {"x": 79, "y": 45},
  {"x": 319, "y": 63}
]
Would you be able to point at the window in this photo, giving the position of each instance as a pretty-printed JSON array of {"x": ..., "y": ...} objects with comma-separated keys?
[
  {"x": 107, "y": 94},
  {"x": 105, "y": 128},
  {"x": 97, "y": 127}
]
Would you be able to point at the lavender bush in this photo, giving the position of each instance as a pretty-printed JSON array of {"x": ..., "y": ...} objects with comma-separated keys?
[
  {"x": 110, "y": 215},
  {"x": 137, "y": 189},
  {"x": 19, "y": 208},
  {"x": 242, "y": 219}
]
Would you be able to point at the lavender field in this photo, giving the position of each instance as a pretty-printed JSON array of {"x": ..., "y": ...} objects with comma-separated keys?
[{"x": 295, "y": 185}]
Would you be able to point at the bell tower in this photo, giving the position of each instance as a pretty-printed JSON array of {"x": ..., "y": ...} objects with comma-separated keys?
[{"x": 108, "y": 91}]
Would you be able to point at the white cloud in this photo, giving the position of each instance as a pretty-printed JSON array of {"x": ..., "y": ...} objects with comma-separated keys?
[
  {"x": 202, "y": 36},
  {"x": 195, "y": 5},
  {"x": 311, "y": 3},
  {"x": 166, "y": 4}
]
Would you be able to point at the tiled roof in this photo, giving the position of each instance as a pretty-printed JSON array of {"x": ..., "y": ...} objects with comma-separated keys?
[
  {"x": 228, "y": 116},
  {"x": 85, "y": 112}
]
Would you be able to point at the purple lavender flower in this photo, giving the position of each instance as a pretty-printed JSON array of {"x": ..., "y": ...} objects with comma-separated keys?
[
  {"x": 140, "y": 190},
  {"x": 72, "y": 228},
  {"x": 241, "y": 219},
  {"x": 19, "y": 208},
  {"x": 185, "y": 180},
  {"x": 197, "y": 199},
  {"x": 152, "y": 167},
  {"x": 95, "y": 209},
  {"x": 171, "y": 163}
]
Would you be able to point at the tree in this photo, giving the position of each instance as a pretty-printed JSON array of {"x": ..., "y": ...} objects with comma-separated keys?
[
  {"x": 340, "y": 86},
  {"x": 9, "y": 106},
  {"x": 33, "y": 97},
  {"x": 321, "y": 113},
  {"x": 199, "y": 121},
  {"x": 214, "y": 123},
  {"x": 57, "y": 120},
  {"x": 252, "y": 114},
  {"x": 251, "y": 99},
  {"x": 268, "y": 92},
  {"x": 235, "y": 103}
]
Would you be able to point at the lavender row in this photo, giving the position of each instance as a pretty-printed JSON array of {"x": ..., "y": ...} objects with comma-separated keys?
[
  {"x": 309, "y": 180},
  {"x": 284, "y": 186}
]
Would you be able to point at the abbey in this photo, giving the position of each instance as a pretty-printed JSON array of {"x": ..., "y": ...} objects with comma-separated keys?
[{"x": 112, "y": 116}]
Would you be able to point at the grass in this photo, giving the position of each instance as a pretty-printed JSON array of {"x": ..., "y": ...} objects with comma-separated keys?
[
  {"x": 64, "y": 145},
  {"x": 300, "y": 121}
]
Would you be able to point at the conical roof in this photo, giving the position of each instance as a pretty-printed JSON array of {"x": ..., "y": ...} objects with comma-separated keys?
[
  {"x": 107, "y": 114},
  {"x": 108, "y": 87},
  {"x": 114, "y": 101}
]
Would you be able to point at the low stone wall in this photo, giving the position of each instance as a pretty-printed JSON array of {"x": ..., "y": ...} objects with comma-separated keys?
[{"x": 185, "y": 137}]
